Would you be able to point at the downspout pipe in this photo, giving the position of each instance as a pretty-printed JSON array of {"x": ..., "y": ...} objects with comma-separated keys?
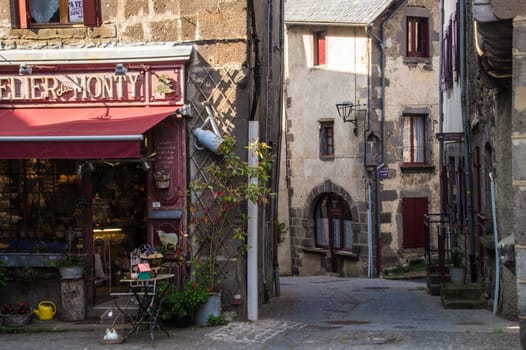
[
  {"x": 277, "y": 289},
  {"x": 467, "y": 145},
  {"x": 381, "y": 45},
  {"x": 496, "y": 237}
]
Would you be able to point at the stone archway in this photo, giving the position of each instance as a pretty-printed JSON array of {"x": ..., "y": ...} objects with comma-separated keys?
[{"x": 303, "y": 229}]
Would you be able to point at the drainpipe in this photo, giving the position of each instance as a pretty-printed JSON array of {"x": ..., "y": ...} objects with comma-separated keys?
[
  {"x": 467, "y": 146},
  {"x": 381, "y": 45},
  {"x": 496, "y": 237},
  {"x": 277, "y": 289},
  {"x": 252, "y": 233}
]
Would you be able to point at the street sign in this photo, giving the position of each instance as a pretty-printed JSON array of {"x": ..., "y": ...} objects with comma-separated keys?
[{"x": 384, "y": 172}]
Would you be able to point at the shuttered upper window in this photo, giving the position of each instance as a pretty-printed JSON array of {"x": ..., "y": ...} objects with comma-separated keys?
[
  {"x": 56, "y": 13},
  {"x": 319, "y": 48}
]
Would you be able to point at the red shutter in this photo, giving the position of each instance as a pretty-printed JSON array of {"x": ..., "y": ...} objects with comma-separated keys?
[
  {"x": 413, "y": 211},
  {"x": 22, "y": 14},
  {"x": 321, "y": 48},
  {"x": 92, "y": 16}
]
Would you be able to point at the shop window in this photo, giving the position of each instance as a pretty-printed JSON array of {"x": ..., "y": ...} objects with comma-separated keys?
[
  {"x": 52, "y": 13},
  {"x": 319, "y": 48},
  {"x": 414, "y": 136},
  {"x": 327, "y": 139},
  {"x": 417, "y": 37},
  {"x": 38, "y": 206}
]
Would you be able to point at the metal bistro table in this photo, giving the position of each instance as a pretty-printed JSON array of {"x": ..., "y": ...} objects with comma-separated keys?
[{"x": 150, "y": 300}]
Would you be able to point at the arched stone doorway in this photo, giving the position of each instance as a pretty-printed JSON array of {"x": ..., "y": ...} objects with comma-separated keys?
[{"x": 332, "y": 237}]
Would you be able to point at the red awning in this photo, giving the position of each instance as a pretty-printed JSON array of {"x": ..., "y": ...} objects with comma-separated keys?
[{"x": 77, "y": 133}]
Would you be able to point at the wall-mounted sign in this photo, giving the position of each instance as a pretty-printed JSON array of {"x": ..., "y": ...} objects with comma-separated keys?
[
  {"x": 383, "y": 172},
  {"x": 140, "y": 86},
  {"x": 450, "y": 136}
]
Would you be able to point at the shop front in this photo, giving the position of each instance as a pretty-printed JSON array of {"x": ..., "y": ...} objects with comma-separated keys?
[{"x": 86, "y": 138}]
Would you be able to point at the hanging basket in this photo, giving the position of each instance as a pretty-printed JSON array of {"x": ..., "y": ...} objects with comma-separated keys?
[{"x": 16, "y": 320}]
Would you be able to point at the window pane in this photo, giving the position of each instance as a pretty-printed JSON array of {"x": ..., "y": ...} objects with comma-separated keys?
[
  {"x": 418, "y": 142},
  {"x": 336, "y": 233},
  {"x": 407, "y": 140},
  {"x": 322, "y": 231},
  {"x": 347, "y": 244},
  {"x": 44, "y": 11},
  {"x": 56, "y": 11},
  {"x": 414, "y": 139}
]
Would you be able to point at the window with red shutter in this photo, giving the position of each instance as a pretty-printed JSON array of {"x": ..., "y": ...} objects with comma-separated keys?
[
  {"x": 56, "y": 13},
  {"x": 319, "y": 48}
]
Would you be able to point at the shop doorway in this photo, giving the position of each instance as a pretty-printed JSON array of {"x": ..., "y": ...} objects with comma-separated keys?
[{"x": 118, "y": 221}]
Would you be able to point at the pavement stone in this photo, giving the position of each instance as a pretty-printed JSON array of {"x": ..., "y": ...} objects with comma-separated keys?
[{"x": 321, "y": 312}]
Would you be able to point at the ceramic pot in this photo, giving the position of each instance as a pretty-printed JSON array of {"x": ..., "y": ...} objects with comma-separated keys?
[
  {"x": 211, "y": 307},
  {"x": 70, "y": 272},
  {"x": 16, "y": 320}
]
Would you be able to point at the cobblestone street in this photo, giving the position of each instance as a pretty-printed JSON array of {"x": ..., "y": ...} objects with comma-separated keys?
[{"x": 316, "y": 313}]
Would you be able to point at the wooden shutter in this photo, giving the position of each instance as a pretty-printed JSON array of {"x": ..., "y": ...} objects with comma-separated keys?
[
  {"x": 413, "y": 211},
  {"x": 92, "y": 16},
  {"x": 22, "y": 14},
  {"x": 320, "y": 43}
]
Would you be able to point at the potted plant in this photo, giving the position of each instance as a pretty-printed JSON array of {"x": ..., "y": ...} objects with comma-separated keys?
[
  {"x": 456, "y": 271},
  {"x": 217, "y": 220},
  {"x": 17, "y": 314},
  {"x": 181, "y": 304},
  {"x": 70, "y": 266}
]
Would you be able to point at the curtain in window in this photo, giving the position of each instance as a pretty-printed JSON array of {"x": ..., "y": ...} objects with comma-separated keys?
[
  {"x": 322, "y": 231},
  {"x": 43, "y": 11},
  {"x": 336, "y": 233},
  {"x": 418, "y": 142}
]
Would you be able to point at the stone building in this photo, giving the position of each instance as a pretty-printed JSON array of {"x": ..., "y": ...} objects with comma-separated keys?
[
  {"x": 100, "y": 99},
  {"x": 482, "y": 85},
  {"x": 356, "y": 188}
]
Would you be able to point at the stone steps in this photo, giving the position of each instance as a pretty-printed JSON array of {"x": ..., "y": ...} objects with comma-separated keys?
[{"x": 462, "y": 296}]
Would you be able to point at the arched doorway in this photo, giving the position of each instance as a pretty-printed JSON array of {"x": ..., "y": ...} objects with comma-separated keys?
[{"x": 333, "y": 221}]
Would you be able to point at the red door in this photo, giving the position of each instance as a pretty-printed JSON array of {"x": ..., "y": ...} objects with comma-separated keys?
[{"x": 413, "y": 211}]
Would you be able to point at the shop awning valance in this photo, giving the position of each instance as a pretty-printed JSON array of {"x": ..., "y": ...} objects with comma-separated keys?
[{"x": 77, "y": 133}]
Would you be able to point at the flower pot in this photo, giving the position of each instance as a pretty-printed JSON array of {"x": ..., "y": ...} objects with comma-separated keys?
[
  {"x": 16, "y": 320},
  {"x": 71, "y": 272},
  {"x": 211, "y": 307},
  {"x": 456, "y": 274}
]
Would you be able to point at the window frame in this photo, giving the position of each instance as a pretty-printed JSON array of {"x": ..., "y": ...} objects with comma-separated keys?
[
  {"x": 413, "y": 149},
  {"x": 327, "y": 144},
  {"x": 417, "y": 45},
  {"x": 319, "y": 47},
  {"x": 91, "y": 13},
  {"x": 336, "y": 211}
]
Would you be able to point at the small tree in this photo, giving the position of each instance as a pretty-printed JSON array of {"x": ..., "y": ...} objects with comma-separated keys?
[{"x": 218, "y": 219}]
